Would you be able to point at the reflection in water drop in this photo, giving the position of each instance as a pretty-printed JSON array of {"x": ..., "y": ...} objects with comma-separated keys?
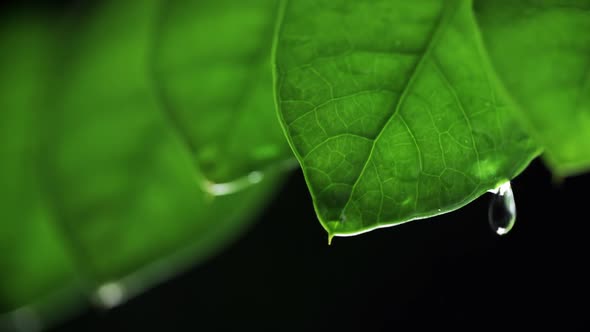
[{"x": 502, "y": 211}]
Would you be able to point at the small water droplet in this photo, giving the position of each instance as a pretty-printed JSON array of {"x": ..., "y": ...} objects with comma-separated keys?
[
  {"x": 110, "y": 295},
  {"x": 255, "y": 177},
  {"x": 227, "y": 188},
  {"x": 502, "y": 211}
]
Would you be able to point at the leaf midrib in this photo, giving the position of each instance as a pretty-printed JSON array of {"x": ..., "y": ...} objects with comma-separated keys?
[{"x": 445, "y": 17}]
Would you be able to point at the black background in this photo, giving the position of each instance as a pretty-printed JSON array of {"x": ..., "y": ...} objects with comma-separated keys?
[{"x": 447, "y": 271}]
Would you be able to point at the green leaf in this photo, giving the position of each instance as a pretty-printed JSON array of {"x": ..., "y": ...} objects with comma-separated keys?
[
  {"x": 228, "y": 80},
  {"x": 101, "y": 187},
  {"x": 391, "y": 111},
  {"x": 33, "y": 261},
  {"x": 541, "y": 51}
]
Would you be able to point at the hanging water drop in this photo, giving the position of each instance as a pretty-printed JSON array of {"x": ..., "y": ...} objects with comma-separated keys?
[{"x": 502, "y": 211}]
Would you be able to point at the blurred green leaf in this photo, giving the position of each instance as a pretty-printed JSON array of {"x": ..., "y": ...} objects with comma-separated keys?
[
  {"x": 541, "y": 51},
  {"x": 231, "y": 74},
  {"x": 390, "y": 110},
  {"x": 106, "y": 120},
  {"x": 34, "y": 261}
]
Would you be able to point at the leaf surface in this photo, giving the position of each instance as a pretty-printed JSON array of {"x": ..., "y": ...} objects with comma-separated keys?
[
  {"x": 214, "y": 57},
  {"x": 34, "y": 262},
  {"x": 102, "y": 188},
  {"x": 390, "y": 110},
  {"x": 541, "y": 52}
]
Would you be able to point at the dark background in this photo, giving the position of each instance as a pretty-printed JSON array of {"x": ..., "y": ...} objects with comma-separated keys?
[{"x": 447, "y": 271}]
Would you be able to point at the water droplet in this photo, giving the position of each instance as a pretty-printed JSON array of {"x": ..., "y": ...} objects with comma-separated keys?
[
  {"x": 502, "y": 211},
  {"x": 110, "y": 295},
  {"x": 255, "y": 177},
  {"x": 239, "y": 184}
]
